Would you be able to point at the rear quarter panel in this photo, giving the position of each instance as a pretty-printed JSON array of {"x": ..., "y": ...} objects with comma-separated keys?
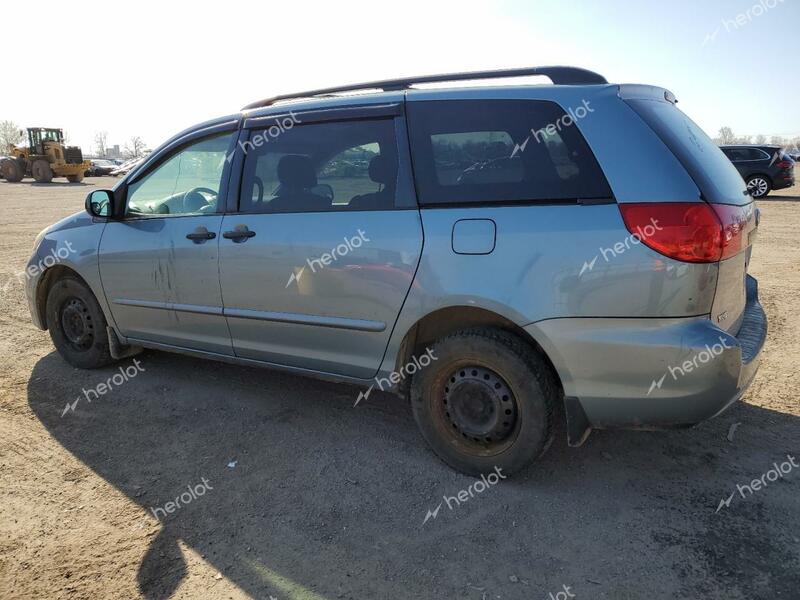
[{"x": 557, "y": 261}]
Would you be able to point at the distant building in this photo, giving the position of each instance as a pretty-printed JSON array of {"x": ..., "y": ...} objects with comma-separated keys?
[{"x": 113, "y": 152}]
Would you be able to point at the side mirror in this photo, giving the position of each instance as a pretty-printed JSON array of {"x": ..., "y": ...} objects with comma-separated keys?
[{"x": 100, "y": 203}]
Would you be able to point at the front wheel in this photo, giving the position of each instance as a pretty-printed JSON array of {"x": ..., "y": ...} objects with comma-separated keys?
[
  {"x": 759, "y": 186},
  {"x": 77, "y": 325},
  {"x": 41, "y": 171},
  {"x": 485, "y": 401}
]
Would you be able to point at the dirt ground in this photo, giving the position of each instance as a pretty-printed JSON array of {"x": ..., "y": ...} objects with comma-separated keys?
[{"x": 306, "y": 498}]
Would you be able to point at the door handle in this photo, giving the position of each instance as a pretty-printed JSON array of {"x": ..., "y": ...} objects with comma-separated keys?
[
  {"x": 200, "y": 235},
  {"x": 239, "y": 235}
]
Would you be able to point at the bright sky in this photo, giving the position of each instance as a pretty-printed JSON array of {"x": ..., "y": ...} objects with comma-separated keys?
[{"x": 153, "y": 68}]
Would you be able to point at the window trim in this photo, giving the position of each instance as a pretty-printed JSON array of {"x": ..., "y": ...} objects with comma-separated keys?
[
  {"x": 405, "y": 192},
  {"x": 322, "y": 115},
  {"x": 523, "y": 202}
]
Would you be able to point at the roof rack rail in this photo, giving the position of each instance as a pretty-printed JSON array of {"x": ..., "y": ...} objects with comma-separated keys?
[{"x": 558, "y": 75}]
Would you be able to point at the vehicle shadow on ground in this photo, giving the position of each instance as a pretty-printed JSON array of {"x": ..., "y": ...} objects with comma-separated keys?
[
  {"x": 51, "y": 184},
  {"x": 780, "y": 199},
  {"x": 312, "y": 498}
]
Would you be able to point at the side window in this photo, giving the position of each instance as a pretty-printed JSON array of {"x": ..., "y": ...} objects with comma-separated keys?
[
  {"x": 348, "y": 175},
  {"x": 737, "y": 154},
  {"x": 187, "y": 183},
  {"x": 757, "y": 154},
  {"x": 318, "y": 167},
  {"x": 474, "y": 156},
  {"x": 500, "y": 151}
]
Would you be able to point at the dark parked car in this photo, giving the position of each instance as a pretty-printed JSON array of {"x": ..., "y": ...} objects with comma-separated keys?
[
  {"x": 764, "y": 168},
  {"x": 100, "y": 167}
]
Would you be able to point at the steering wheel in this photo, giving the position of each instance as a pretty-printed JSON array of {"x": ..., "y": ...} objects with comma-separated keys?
[{"x": 194, "y": 198}]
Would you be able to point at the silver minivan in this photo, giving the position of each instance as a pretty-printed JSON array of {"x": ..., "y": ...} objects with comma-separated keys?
[{"x": 499, "y": 255}]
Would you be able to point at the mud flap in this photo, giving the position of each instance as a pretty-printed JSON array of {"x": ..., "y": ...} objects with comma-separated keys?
[
  {"x": 117, "y": 349},
  {"x": 578, "y": 426}
]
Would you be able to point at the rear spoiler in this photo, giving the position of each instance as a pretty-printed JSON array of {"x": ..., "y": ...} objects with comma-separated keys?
[{"x": 630, "y": 91}]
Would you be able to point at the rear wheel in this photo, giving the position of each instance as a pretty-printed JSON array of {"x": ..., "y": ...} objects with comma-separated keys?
[
  {"x": 759, "y": 186},
  {"x": 41, "y": 171},
  {"x": 486, "y": 401},
  {"x": 75, "y": 178},
  {"x": 11, "y": 170},
  {"x": 77, "y": 325}
]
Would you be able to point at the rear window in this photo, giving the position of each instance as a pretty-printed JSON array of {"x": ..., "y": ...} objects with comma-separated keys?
[
  {"x": 712, "y": 171},
  {"x": 757, "y": 154},
  {"x": 479, "y": 151}
]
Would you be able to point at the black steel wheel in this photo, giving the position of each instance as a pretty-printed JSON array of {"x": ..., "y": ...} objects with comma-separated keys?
[
  {"x": 486, "y": 401},
  {"x": 77, "y": 325}
]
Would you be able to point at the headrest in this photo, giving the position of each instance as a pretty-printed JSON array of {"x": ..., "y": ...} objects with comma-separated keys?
[
  {"x": 296, "y": 171},
  {"x": 383, "y": 169}
]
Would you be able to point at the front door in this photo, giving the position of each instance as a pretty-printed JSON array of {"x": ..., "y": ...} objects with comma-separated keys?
[
  {"x": 160, "y": 264},
  {"x": 317, "y": 262}
]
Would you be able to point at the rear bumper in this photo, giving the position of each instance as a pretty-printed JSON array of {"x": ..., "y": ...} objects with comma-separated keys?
[
  {"x": 652, "y": 373},
  {"x": 783, "y": 182},
  {"x": 752, "y": 335}
]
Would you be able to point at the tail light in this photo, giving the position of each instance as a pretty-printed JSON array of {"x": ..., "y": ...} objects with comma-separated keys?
[
  {"x": 693, "y": 232},
  {"x": 785, "y": 164}
]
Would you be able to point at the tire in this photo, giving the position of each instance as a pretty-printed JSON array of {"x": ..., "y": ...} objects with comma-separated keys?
[
  {"x": 485, "y": 401},
  {"x": 759, "y": 185},
  {"x": 41, "y": 171},
  {"x": 75, "y": 178},
  {"x": 77, "y": 325},
  {"x": 11, "y": 170}
]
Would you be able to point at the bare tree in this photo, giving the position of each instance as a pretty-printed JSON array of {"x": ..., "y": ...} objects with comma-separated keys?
[
  {"x": 725, "y": 136},
  {"x": 10, "y": 135},
  {"x": 777, "y": 140},
  {"x": 135, "y": 147},
  {"x": 760, "y": 139},
  {"x": 101, "y": 143}
]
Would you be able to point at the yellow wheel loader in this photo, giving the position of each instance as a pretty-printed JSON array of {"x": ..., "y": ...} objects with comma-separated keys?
[{"x": 44, "y": 158}]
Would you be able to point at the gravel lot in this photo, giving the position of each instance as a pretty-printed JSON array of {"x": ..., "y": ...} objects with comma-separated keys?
[{"x": 306, "y": 497}]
